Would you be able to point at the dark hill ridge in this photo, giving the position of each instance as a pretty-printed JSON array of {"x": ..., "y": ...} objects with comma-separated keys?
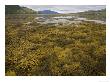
[
  {"x": 10, "y": 9},
  {"x": 47, "y": 12},
  {"x": 16, "y": 9}
]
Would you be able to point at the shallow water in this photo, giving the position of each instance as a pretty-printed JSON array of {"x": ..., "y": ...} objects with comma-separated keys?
[{"x": 65, "y": 20}]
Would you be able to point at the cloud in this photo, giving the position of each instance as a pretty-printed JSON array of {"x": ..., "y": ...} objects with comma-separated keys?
[{"x": 65, "y": 8}]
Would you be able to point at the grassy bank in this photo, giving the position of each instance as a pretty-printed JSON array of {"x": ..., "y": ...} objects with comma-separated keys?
[{"x": 42, "y": 49}]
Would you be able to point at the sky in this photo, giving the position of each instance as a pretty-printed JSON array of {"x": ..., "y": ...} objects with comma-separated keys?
[{"x": 65, "y": 8}]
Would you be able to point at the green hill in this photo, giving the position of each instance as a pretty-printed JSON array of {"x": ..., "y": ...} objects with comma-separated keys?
[
  {"x": 16, "y": 9},
  {"x": 97, "y": 15}
]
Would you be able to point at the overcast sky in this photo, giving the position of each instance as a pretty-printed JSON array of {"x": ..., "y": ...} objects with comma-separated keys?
[{"x": 65, "y": 8}]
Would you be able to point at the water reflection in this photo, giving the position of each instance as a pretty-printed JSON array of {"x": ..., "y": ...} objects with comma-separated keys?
[{"x": 64, "y": 20}]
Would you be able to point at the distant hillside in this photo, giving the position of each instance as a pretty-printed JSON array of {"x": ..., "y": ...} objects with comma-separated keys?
[
  {"x": 97, "y": 15},
  {"x": 10, "y": 9},
  {"x": 47, "y": 12},
  {"x": 25, "y": 10},
  {"x": 16, "y": 9}
]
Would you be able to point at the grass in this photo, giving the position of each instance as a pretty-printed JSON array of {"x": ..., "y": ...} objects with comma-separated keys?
[{"x": 48, "y": 50}]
